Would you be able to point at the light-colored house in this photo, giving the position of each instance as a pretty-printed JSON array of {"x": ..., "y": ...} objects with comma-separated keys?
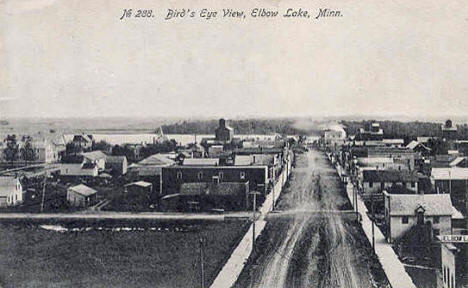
[
  {"x": 403, "y": 211},
  {"x": 81, "y": 196},
  {"x": 96, "y": 157},
  {"x": 11, "y": 191},
  {"x": 79, "y": 169},
  {"x": 152, "y": 165}
]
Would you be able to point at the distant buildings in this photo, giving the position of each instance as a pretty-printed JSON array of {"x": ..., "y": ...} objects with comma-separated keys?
[
  {"x": 224, "y": 133},
  {"x": 449, "y": 131},
  {"x": 371, "y": 132}
]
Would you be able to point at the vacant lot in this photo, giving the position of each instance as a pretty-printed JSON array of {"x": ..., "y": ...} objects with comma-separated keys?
[{"x": 164, "y": 257}]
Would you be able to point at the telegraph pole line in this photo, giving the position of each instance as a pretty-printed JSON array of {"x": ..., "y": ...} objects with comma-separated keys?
[
  {"x": 202, "y": 263},
  {"x": 43, "y": 193},
  {"x": 373, "y": 221}
]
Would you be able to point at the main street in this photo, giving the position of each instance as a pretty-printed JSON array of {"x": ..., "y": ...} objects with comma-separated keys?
[{"x": 304, "y": 250}]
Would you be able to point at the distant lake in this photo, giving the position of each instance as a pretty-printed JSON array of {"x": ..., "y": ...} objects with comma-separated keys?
[{"x": 147, "y": 138}]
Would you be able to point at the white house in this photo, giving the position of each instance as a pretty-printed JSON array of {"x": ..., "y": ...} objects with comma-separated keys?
[
  {"x": 403, "y": 211},
  {"x": 11, "y": 191},
  {"x": 96, "y": 157}
]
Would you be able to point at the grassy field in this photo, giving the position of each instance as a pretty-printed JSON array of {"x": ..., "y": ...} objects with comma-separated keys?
[{"x": 34, "y": 257}]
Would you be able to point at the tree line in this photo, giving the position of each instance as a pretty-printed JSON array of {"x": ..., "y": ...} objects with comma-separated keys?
[
  {"x": 12, "y": 152},
  {"x": 247, "y": 126}
]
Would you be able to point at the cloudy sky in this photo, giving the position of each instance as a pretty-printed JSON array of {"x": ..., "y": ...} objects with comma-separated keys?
[{"x": 77, "y": 59}]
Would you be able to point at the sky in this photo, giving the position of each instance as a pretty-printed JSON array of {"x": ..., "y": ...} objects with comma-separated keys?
[{"x": 77, "y": 59}]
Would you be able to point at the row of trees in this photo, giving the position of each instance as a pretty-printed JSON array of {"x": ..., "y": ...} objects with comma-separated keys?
[
  {"x": 248, "y": 126},
  {"x": 130, "y": 151},
  {"x": 12, "y": 151}
]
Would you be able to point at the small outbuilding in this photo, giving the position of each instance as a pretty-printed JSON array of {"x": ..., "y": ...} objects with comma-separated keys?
[{"x": 81, "y": 196}]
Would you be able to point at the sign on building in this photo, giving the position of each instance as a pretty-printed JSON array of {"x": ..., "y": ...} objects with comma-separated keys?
[{"x": 453, "y": 238}]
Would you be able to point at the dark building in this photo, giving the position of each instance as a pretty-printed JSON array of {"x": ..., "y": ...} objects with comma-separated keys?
[
  {"x": 372, "y": 131},
  {"x": 174, "y": 176},
  {"x": 223, "y": 133},
  {"x": 207, "y": 196}
]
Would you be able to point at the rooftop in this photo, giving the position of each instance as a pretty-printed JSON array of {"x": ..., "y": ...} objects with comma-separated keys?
[
  {"x": 453, "y": 173},
  {"x": 83, "y": 190},
  {"x": 433, "y": 204},
  {"x": 94, "y": 155},
  {"x": 201, "y": 162}
]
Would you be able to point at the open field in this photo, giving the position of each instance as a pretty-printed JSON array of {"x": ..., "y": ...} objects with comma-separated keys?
[{"x": 169, "y": 257}]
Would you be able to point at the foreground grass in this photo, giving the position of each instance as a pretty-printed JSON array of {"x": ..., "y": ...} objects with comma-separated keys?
[{"x": 33, "y": 257}]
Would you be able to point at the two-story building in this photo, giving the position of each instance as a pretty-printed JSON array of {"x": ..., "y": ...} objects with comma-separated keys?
[
  {"x": 174, "y": 176},
  {"x": 403, "y": 211}
]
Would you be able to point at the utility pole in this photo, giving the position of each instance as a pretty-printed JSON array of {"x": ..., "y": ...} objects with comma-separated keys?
[
  {"x": 373, "y": 220},
  {"x": 43, "y": 192},
  {"x": 273, "y": 190},
  {"x": 254, "y": 208},
  {"x": 202, "y": 263}
]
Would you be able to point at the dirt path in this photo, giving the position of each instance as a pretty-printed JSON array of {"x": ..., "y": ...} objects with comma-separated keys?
[{"x": 314, "y": 251}]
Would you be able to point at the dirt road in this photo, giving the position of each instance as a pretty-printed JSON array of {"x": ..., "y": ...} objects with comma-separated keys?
[{"x": 306, "y": 251}]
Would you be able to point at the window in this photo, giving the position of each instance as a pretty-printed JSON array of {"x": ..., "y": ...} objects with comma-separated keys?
[
  {"x": 413, "y": 184},
  {"x": 445, "y": 275},
  {"x": 242, "y": 175},
  {"x": 371, "y": 184},
  {"x": 436, "y": 220},
  {"x": 404, "y": 220},
  {"x": 179, "y": 175}
]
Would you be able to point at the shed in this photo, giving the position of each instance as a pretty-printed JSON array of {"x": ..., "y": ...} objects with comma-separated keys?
[{"x": 81, "y": 196}]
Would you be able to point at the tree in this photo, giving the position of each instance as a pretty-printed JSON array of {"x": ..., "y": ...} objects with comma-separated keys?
[
  {"x": 10, "y": 153},
  {"x": 27, "y": 151},
  {"x": 72, "y": 148},
  {"x": 102, "y": 145}
]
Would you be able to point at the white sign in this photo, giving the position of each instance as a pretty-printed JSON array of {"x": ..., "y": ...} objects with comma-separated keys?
[{"x": 453, "y": 238}]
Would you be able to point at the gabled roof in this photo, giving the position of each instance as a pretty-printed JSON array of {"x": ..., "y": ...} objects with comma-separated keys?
[
  {"x": 83, "y": 190},
  {"x": 6, "y": 181},
  {"x": 201, "y": 162},
  {"x": 457, "y": 161},
  {"x": 157, "y": 160},
  {"x": 82, "y": 138},
  {"x": 94, "y": 155},
  {"x": 433, "y": 204},
  {"x": 413, "y": 144},
  {"x": 454, "y": 173}
]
